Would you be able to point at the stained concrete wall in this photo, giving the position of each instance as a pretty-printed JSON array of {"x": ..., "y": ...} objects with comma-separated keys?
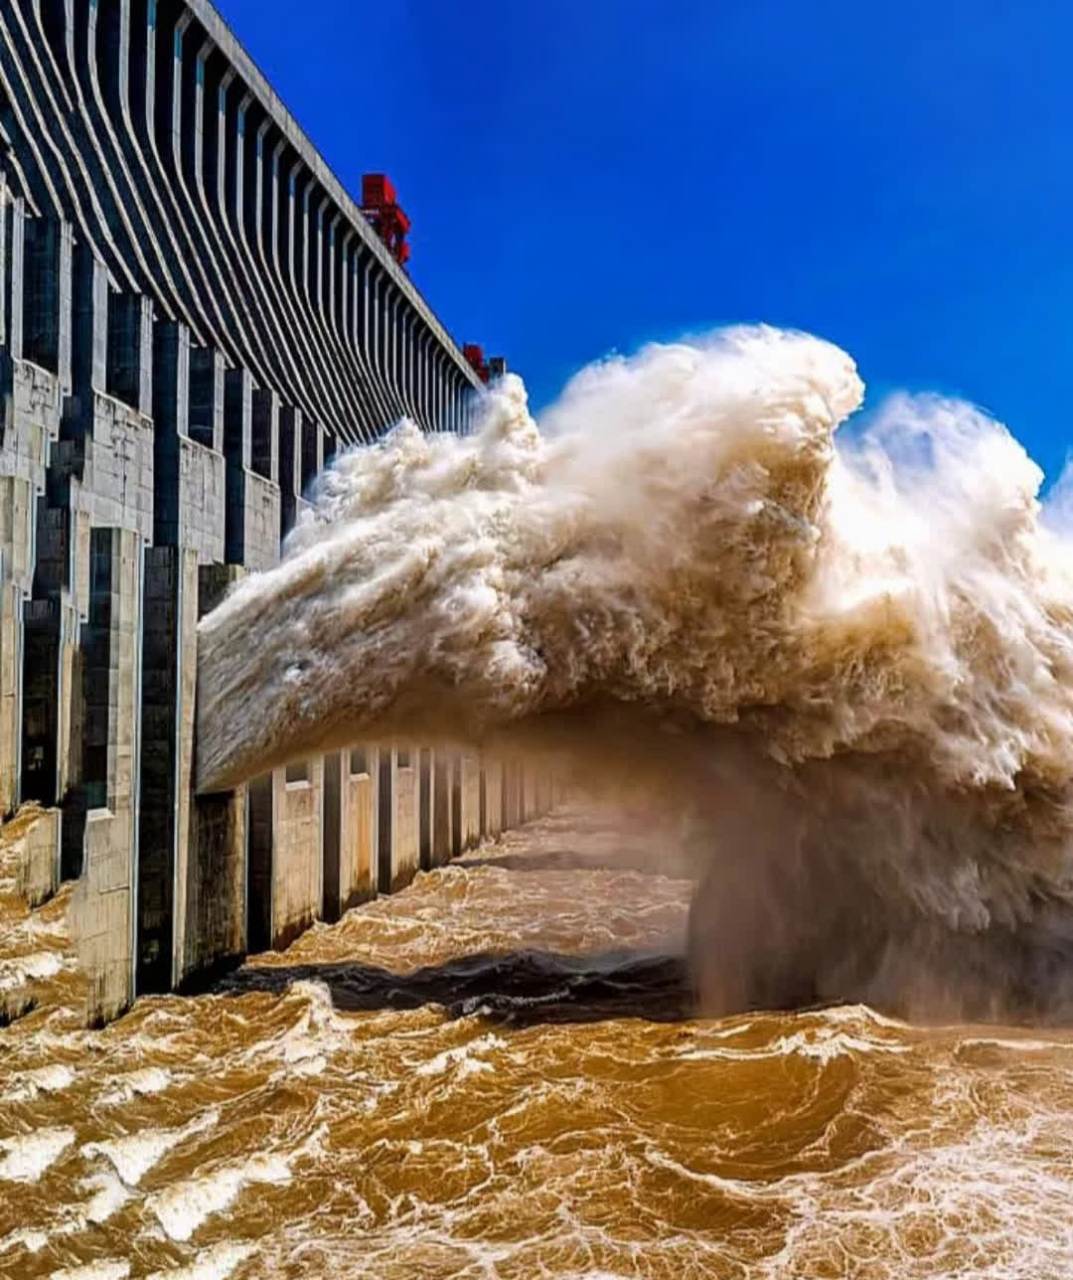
[
  {"x": 469, "y": 766},
  {"x": 492, "y": 778},
  {"x": 441, "y": 803},
  {"x": 354, "y": 877},
  {"x": 169, "y": 387},
  {"x": 105, "y": 806},
  {"x": 398, "y": 821},
  {"x": 285, "y": 851}
]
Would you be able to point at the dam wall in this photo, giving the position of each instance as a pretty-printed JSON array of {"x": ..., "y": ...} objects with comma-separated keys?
[{"x": 195, "y": 318}]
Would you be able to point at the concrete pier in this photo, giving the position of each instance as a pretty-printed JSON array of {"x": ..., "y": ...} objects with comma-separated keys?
[{"x": 194, "y": 318}]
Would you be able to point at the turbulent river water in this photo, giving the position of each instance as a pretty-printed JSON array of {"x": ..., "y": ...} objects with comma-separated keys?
[
  {"x": 840, "y": 671},
  {"x": 499, "y": 1073}
]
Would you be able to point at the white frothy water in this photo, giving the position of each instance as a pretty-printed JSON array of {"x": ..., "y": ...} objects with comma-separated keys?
[
  {"x": 27, "y": 1157},
  {"x": 133, "y": 1155},
  {"x": 852, "y": 663}
]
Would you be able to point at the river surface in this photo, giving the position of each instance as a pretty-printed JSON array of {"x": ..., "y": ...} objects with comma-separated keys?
[{"x": 497, "y": 1073}]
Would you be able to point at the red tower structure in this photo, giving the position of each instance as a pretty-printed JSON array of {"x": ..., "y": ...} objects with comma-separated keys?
[
  {"x": 486, "y": 370},
  {"x": 474, "y": 354},
  {"x": 380, "y": 205}
]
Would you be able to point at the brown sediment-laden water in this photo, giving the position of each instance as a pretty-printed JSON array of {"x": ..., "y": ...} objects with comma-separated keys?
[
  {"x": 788, "y": 998},
  {"x": 499, "y": 1072}
]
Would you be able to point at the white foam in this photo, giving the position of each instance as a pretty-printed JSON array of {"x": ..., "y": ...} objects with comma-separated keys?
[
  {"x": 109, "y": 1196},
  {"x": 215, "y": 1263},
  {"x": 50, "y": 1079},
  {"x": 868, "y": 639},
  {"x": 136, "y": 1153},
  {"x": 824, "y": 1045},
  {"x": 147, "y": 1080},
  {"x": 113, "y": 1269},
  {"x": 32, "y": 1241},
  {"x": 465, "y": 1057},
  {"x": 23, "y": 969},
  {"x": 31, "y": 1154},
  {"x": 181, "y": 1209}
]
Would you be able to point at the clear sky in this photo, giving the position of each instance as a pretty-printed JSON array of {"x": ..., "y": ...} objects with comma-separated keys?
[{"x": 584, "y": 175}]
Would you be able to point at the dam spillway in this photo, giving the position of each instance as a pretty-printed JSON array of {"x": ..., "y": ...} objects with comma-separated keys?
[{"x": 196, "y": 317}]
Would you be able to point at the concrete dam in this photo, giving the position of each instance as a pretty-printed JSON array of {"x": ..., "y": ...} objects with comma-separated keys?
[{"x": 196, "y": 317}]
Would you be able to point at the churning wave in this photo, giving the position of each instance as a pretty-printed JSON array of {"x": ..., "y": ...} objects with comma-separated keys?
[{"x": 847, "y": 663}]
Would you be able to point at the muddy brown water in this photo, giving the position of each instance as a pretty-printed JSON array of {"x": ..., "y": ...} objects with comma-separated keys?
[{"x": 497, "y": 1073}]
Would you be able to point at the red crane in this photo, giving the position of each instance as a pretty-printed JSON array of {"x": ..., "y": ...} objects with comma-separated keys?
[{"x": 380, "y": 205}]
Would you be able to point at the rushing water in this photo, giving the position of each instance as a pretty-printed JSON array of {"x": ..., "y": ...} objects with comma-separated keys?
[{"x": 498, "y": 1073}]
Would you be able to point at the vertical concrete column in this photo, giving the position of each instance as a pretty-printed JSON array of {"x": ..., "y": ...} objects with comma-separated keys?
[
  {"x": 441, "y": 807},
  {"x": 469, "y": 766},
  {"x": 511, "y": 801},
  {"x": 410, "y": 338},
  {"x": 265, "y": 434},
  {"x": 89, "y": 332},
  {"x": 285, "y": 891},
  {"x": 492, "y": 776},
  {"x": 376, "y": 321},
  {"x": 260, "y": 846},
  {"x": 385, "y": 817},
  {"x": 456, "y": 805},
  {"x": 171, "y": 414},
  {"x": 357, "y": 827},
  {"x": 238, "y": 455},
  {"x": 206, "y": 424},
  {"x": 332, "y": 834},
  {"x": 211, "y": 919},
  {"x": 298, "y": 860},
  {"x": 405, "y": 853},
  {"x": 435, "y": 417},
  {"x": 129, "y": 375},
  {"x": 103, "y": 907},
  {"x": 530, "y": 802},
  {"x": 16, "y": 505},
  {"x": 425, "y": 782},
  {"x": 290, "y": 466},
  {"x": 46, "y": 335},
  {"x": 350, "y": 830},
  {"x": 43, "y": 701},
  {"x": 13, "y": 214},
  {"x": 391, "y": 344},
  {"x": 169, "y": 649},
  {"x": 252, "y": 526},
  {"x": 450, "y": 409},
  {"x": 50, "y": 631},
  {"x": 7, "y": 201},
  {"x": 419, "y": 339},
  {"x": 312, "y": 453},
  {"x": 189, "y": 479},
  {"x": 16, "y": 567}
]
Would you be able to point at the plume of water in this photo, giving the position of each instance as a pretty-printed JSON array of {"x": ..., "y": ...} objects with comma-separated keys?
[{"x": 852, "y": 663}]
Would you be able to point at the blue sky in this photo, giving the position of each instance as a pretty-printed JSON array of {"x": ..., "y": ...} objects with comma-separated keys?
[{"x": 585, "y": 175}]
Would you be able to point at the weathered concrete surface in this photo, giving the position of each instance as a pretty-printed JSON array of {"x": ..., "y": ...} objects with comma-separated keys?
[
  {"x": 358, "y": 833},
  {"x": 441, "y": 803},
  {"x": 170, "y": 384},
  {"x": 493, "y": 797},
  {"x": 512, "y": 801},
  {"x": 39, "y": 870},
  {"x": 470, "y": 799},
  {"x": 285, "y": 854},
  {"x": 103, "y": 907},
  {"x": 397, "y": 817},
  {"x": 210, "y": 917}
]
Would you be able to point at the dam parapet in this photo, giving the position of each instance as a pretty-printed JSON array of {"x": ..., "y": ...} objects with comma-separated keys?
[{"x": 195, "y": 318}]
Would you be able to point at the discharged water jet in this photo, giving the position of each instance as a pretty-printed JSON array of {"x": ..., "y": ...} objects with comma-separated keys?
[{"x": 853, "y": 661}]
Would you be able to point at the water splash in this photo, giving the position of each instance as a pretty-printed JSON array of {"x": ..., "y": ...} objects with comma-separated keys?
[{"x": 852, "y": 664}]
